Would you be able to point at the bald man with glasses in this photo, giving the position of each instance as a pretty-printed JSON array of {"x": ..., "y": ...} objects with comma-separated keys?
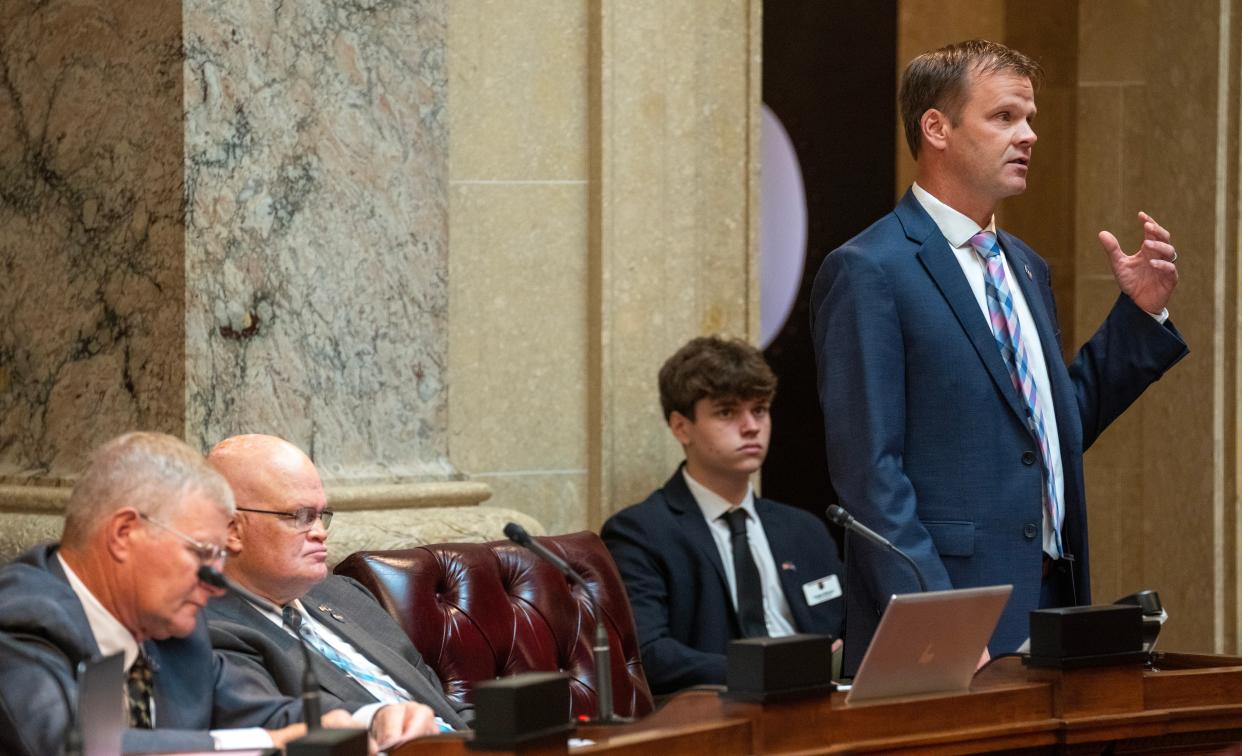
[{"x": 278, "y": 555}]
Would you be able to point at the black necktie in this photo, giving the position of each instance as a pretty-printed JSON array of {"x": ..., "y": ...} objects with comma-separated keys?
[
  {"x": 139, "y": 686},
  {"x": 749, "y": 589}
]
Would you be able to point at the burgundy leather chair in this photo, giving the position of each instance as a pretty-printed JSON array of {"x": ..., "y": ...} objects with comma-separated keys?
[{"x": 477, "y": 611}]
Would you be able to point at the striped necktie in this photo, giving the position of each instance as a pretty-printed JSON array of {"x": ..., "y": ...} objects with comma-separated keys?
[
  {"x": 1008, "y": 333},
  {"x": 384, "y": 691}
]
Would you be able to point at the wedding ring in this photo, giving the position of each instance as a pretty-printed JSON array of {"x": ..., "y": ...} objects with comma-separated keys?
[{"x": 1174, "y": 256}]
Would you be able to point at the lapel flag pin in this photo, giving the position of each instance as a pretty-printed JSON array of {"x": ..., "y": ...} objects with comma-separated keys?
[
  {"x": 331, "y": 612},
  {"x": 788, "y": 567}
]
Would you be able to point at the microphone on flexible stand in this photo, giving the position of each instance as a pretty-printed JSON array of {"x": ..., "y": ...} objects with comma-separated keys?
[
  {"x": 838, "y": 516},
  {"x": 601, "y": 652},
  {"x": 311, "y": 707}
]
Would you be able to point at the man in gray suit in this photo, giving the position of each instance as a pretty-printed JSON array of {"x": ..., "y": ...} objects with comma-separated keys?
[
  {"x": 142, "y": 519},
  {"x": 278, "y": 557}
]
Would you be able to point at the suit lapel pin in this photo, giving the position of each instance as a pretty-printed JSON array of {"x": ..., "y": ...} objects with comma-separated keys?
[
  {"x": 331, "y": 612},
  {"x": 1028, "y": 271},
  {"x": 789, "y": 567}
]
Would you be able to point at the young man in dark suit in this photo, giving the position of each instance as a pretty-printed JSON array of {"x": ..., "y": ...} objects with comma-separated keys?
[
  {"x": 278, "y": 557},
  {"x": 704, "y": 560}
]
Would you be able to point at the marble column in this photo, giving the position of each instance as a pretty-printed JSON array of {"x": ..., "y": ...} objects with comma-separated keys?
[{"x": 222, "y": 217}]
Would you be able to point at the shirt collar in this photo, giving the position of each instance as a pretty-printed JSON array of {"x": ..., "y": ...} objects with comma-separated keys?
[
  {"x": 955, "y": 227},
  {"x": 110, "y": 635},
  {"x": 712, "y": 504},
  {"x": 270, "y": 609}
]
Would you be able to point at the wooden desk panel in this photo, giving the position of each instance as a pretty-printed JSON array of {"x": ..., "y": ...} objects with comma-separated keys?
[{"x": 1187, "y": 704}]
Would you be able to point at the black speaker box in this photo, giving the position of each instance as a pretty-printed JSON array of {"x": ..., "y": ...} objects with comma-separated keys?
[
  {"x": 1086, "y": 636},
  {"x": 773, "y": 669},
  {"x": 519, "y": 709}
]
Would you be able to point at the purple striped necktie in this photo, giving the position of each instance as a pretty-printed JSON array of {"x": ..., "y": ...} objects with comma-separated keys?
[{"x": 1008, "y": 333}]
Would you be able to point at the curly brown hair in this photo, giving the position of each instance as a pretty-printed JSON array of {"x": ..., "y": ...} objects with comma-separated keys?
[{"x": 711, "y": 367}]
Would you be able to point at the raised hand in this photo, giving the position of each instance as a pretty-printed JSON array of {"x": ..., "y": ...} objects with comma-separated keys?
[{"x": 1148, "y": 276}]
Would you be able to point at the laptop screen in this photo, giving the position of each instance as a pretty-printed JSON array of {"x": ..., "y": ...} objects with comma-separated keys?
[
  {"x": 101, "y": 704},
  {"x": 929, "y": 643}
]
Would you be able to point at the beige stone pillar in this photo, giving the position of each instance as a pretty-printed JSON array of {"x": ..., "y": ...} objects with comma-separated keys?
[
  {"x": 1157, "y": 131},
  {"x": 602, "y": 175},
  {"x": 673, "y": 245}
]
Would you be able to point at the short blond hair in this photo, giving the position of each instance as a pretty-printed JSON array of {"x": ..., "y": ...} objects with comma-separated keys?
[{"x": 152, "y": 472}]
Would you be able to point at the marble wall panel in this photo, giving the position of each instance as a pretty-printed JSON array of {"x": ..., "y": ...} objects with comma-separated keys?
[
  {"x": 91, "y": 274},
  {"x": 316, "y": 230}
]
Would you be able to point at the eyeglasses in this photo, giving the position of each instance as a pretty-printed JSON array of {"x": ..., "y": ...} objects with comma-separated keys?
[
  {"x": 207, "y": 553},
  {"x": 303, "y": 518}
]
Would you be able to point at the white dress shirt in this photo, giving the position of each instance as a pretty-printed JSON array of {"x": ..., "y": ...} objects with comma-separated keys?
[
  {"x": 113, "y": 637},
  {"x": 713, "y": 507},
  {"x": 383, "y": 697},
  {"x": 958, "y": 229}
]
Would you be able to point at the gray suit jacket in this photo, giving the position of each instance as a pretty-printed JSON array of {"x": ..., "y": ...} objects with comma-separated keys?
[
  {"x": 195, "y": 689},
  {"x": 244, "y": 635}
]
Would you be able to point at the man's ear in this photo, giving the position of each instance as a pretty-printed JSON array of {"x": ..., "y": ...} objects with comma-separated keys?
[
  {"x": 935, "y": 127},
  {"x": 118, "y": 530},
  {"x": 679, "y": 425},
  {"x": 234, "y": 541}
]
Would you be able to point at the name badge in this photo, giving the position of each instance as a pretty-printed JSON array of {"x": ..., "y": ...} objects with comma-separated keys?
[{"x": 819, "y": 591}]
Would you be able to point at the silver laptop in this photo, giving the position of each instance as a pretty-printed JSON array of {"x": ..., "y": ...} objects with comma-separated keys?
[
  {"x": 101, "y": 704},
  {"x": 929, "y": 643}
]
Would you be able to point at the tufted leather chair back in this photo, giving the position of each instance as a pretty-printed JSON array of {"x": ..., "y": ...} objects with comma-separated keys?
[{"x": 477, "y": 611}]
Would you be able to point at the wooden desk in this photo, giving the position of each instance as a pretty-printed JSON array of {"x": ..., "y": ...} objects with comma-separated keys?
[{"x": 1186, "y": 704}]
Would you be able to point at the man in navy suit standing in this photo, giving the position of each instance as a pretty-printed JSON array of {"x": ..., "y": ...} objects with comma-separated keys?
[
  {"x": 704, "y": 560},
  {"x": 953, "y": 426}
]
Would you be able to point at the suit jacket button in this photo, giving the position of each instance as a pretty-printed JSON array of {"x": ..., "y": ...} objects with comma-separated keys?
[
  {"x": 1028, "y": 457},
  {"x": 1030, "y": 531}
]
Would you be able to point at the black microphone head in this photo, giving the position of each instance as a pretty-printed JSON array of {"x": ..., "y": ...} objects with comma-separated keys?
[
  {"x": 838, "y": 516},
  {"x": 211, "y": 576},
  {"x": 517, "y": 533}
]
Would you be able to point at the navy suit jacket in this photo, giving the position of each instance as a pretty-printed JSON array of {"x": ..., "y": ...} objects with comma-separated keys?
[
  {"x": 676, "y": 583},
  {"x": 246, "y": 637},
  {"x": 927, "y": 441},
  {"x": 195, "y": 689}
]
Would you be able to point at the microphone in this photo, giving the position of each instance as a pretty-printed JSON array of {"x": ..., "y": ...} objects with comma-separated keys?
[
  {"x": 838, "y": 516},
  {"x": 311, "y": 708},
  {"x": 601, "y": 652}
]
